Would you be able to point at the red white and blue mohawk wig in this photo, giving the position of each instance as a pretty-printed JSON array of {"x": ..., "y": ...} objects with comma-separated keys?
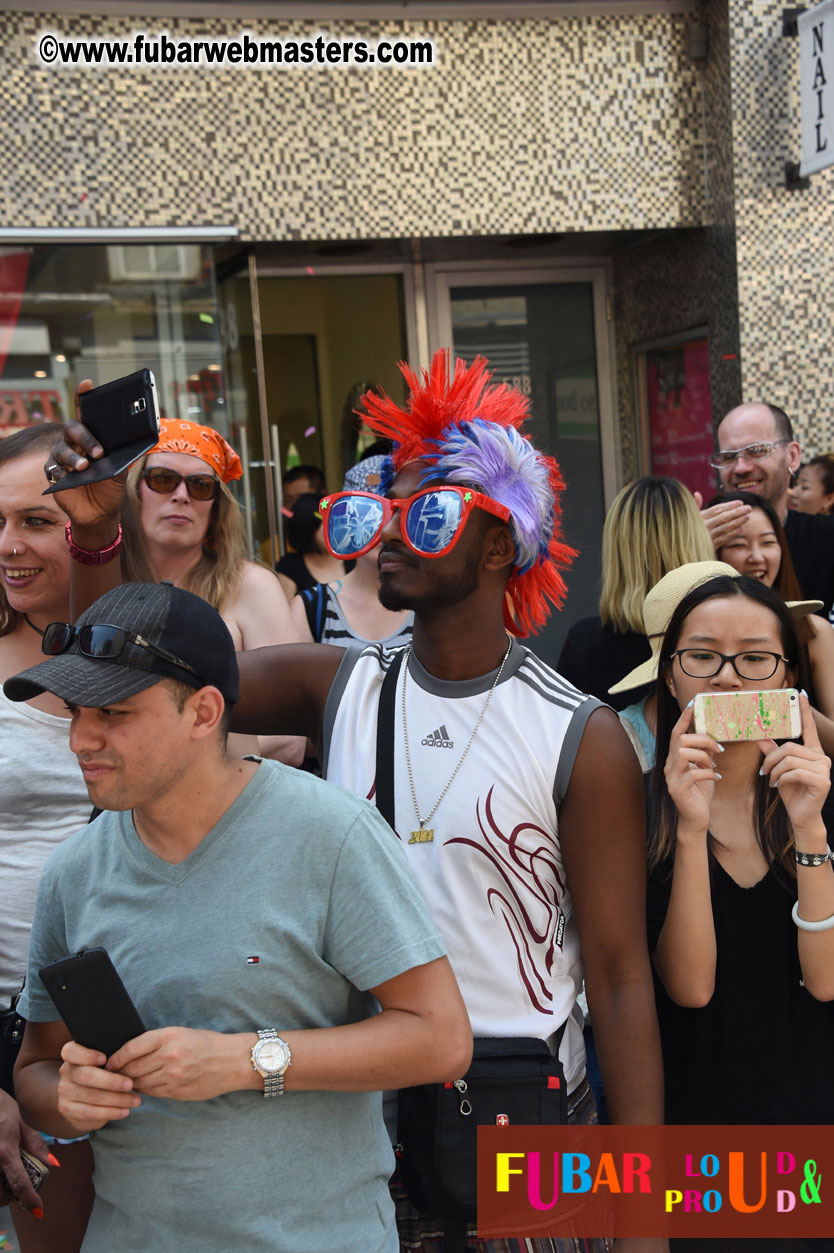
[{"x": 466, "y": 430}]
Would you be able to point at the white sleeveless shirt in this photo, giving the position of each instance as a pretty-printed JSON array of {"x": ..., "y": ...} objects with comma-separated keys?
[
  {"x": 43, "y": 800},
  {"x": 493, "y": 876}
]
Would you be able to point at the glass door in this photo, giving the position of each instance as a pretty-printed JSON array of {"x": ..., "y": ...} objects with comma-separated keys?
[{"x": 546, "y": 334}]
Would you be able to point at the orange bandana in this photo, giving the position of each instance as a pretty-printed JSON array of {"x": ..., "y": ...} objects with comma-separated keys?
[{"x": 199, "y": 441}]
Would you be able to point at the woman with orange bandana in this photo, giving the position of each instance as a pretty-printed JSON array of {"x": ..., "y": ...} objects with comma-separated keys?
[{"x": 181, "y": 522}]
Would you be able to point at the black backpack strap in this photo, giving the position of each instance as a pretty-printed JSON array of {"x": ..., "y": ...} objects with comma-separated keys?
[
  {"x": 384, "y": 793},
  {"x": 314, "y": 602}
]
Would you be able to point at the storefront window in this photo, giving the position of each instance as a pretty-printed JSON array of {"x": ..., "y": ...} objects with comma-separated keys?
[{"x": 70, "y": 312}]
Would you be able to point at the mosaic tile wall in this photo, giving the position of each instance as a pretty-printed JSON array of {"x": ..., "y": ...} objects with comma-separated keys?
[
  {"x": 784, "y": 238},
  {"x": 685, "y": 279},
  {"x": 524, "y": 127},
  {"x": 669, "y": 286}
]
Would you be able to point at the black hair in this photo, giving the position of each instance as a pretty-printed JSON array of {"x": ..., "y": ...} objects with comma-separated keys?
[
  {"x": 786, "y": 582},
  {"x": 824, "y": 462},
  {"x": 379, "y": 448},
  {"x": 313, "y": 473},
  {"x": 773, "y": 831},
  {"x": 303, "y": 526},
  {"x": 30, "y": 439}
]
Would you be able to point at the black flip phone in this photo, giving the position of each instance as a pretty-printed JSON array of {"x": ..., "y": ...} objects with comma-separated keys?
[
  {"x": 92, "y": 1000},
  {"x": 124, "y": 417}
]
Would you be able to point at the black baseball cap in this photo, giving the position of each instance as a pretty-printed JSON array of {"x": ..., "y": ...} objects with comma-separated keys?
[{"x": 167, "y": 617}]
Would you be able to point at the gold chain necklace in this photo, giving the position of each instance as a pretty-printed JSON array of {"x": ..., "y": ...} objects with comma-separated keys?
[{"x": 424, "y": 833}]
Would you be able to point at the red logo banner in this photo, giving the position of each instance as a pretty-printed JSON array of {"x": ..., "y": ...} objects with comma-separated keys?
[{"x": 689, "y": 1182}]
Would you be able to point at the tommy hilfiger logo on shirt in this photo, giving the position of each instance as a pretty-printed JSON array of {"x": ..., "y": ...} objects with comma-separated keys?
[{"x": 439, "y": 739}]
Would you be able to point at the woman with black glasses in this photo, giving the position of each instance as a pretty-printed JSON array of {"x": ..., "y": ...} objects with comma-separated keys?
[{"x": 741, "y": 889}]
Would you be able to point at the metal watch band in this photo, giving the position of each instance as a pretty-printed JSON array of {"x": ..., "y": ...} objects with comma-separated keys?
[{"x": 273, "y": 1084}]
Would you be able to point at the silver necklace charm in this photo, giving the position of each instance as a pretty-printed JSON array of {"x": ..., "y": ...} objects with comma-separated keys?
[{"x": 424, "y": 833}]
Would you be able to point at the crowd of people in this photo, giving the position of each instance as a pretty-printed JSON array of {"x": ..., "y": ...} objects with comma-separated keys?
[{"x": 493, "y": 843}]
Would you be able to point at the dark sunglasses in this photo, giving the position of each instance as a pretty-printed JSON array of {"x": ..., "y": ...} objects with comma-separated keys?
[
  {"x": 198, "y": 486},
  {"x": 432, "y": 519},
  {"x": 105, "y": 643}
]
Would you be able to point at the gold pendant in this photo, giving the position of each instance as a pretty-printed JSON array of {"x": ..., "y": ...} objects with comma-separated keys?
[{"x": 423, "y": 836}]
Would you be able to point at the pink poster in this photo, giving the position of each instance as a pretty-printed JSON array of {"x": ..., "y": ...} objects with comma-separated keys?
[
  {"x": 680, "y": 414},
  {"x": 13, "y": 269}
]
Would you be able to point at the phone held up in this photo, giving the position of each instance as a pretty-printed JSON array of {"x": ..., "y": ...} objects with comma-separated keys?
[
  {"x": 92, "y": 1000},
  {"x": 762, "y": 715},
  {"x": 124, "y": 417}
]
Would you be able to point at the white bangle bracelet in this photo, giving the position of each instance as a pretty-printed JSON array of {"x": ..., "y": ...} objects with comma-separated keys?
[{"x": 824, "y": 924}]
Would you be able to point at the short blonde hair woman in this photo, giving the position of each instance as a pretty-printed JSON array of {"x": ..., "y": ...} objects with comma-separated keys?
[{"x": 653, "y": 526}]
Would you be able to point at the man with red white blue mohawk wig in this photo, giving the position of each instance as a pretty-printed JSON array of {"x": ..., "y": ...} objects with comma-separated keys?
[
  {"x": 465, "y": 429},
  {"x": 516, "y": 799}
]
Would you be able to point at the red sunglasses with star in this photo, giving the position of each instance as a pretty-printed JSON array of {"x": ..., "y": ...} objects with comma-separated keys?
[{"x": 431, "y": 521}]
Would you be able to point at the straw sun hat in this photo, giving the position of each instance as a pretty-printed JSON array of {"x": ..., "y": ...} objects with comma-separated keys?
[{"x": 662, "y": 601}]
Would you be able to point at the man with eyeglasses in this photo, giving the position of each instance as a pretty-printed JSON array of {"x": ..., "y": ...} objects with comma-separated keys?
[
  {"x": 756, "y": 452},
  {"x": 516, "y": 799},
  {"x": 199, "y": 881}
]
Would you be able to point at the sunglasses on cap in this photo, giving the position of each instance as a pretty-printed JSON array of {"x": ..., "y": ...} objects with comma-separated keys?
[
  {"x": 103, "y": 642},
  {"x": 431, "y": 520},
  {"x": 199, "y": 486}
]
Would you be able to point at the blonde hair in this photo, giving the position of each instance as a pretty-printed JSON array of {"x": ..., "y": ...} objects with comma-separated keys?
[
  {"x": 652, "y": 527},
  {"x": 218, "y": 572}
]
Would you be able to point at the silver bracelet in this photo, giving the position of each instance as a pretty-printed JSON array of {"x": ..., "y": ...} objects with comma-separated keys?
[
  {"x": 824, "y": 924},
  {"x": 812, "y": 859}
]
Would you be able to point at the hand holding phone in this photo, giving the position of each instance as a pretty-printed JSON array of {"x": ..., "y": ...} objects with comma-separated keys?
[
  {"x": 89, "y": 1095},
  {"x": 123, "y": 418},
  {"x": 21, "y": 1149},
  {"x": 92, "y": 1000},
  {"x": 14, "y": 1191},
  {"x": 802, "y": 773},
  {"x": 691, "y": 774}
]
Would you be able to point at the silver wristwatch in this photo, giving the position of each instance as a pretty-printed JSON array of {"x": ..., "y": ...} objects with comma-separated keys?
[{"x": 271, "y": 1057}]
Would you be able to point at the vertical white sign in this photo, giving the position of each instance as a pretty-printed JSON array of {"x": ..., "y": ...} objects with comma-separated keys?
[{"x": 816, "y": 78}]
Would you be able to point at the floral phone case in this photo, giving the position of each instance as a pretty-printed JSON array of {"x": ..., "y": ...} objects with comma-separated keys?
[{"x": 763, "y": 715}]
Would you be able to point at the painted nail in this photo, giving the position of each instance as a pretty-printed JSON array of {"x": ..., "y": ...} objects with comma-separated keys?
[
  {"x": 52, "y": 1159},
  {"x": 720, "y": 748},
  {"x": 718, "y": 776},
  {"x": 37, "y": 1212},
  {"x": 761, "y": 771},
  {"x": 690, "y": 703}
]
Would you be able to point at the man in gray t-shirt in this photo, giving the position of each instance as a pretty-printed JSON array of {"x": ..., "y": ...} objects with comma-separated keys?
[{"x": 253, "y": 913}]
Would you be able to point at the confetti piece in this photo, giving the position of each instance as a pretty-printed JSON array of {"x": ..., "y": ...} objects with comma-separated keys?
[
  {"x": 311, "y": 430},
  {"x": 286, "y": 512}
]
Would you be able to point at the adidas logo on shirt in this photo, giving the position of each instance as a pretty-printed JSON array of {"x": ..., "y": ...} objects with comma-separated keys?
[{"x": 439, "y": 739}]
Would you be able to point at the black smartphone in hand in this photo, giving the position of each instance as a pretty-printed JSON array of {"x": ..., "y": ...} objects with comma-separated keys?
[
  {"x": 124, "y": 417},
  {"x": 92, "y": 1000}
]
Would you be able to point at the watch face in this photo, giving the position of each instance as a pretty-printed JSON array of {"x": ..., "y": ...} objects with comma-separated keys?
[{"x": 271, "y": 1055}]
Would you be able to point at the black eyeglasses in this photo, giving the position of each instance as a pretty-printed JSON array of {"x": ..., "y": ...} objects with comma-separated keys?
[
  {"x": 198, "y": 486},
  {"x": 706, "y": 663},
  {"x": 103, "y": 642}
]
